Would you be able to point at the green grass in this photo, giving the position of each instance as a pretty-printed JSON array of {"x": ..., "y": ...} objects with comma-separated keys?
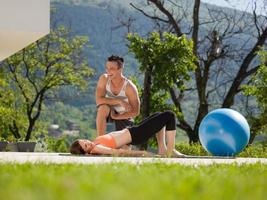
[{"x": 126, "y": 181}]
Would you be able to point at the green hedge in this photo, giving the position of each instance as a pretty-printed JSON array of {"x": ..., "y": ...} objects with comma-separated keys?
[{"x": 256, "y": 150}]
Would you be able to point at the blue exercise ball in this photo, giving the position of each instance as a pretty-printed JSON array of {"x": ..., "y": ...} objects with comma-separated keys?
[{"x": 224, "y": 132}]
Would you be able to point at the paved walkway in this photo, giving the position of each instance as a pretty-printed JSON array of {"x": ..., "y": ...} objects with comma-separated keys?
[{"x": 57, "y": 158}]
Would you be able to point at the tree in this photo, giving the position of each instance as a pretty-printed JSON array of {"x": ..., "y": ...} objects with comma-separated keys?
[
  {"x": 39, "y": 70},
  {"x": 258, "y": 88},
  {"x": 7, "y": 112},
  {"x": 225, "y": 44},
  {"x": 167, "y": 61}
]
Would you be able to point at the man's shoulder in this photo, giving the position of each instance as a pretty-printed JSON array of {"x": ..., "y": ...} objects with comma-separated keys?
[
  {"x": 131, "y": 84},
  {"x": 131, "y": 87},
  {"x": 102, "y": 81},
  {"x": 103, "y": 77}
]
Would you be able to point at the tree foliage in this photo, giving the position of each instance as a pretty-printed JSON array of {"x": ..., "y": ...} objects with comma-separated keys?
[
  {"x": 167, "y": 61},
  {"x": 10, "y": 109},
  {"x": 225, "y": 45},
  {"x": 37, "y": 71},
  {"x": 258, "y": 88}
]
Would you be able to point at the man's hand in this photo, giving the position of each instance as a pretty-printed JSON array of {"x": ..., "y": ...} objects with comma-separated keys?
[
  {"x": 113, "y": 114},
  {"x": 125, "y": 105}
]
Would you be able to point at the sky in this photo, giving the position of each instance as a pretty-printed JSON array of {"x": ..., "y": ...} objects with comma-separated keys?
[{"x": 241, "y": 4}]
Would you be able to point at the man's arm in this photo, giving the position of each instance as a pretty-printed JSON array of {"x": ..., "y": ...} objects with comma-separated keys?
[
  {"x": 134, "y": 102},
  {"x": 101, "y": 92}
]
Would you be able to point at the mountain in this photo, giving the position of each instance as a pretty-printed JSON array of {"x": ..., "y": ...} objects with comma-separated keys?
[{"x": 99, "y": 20}]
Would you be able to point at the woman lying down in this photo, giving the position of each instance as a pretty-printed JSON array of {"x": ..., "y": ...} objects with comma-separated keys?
[{"x": 161, "y": 124}]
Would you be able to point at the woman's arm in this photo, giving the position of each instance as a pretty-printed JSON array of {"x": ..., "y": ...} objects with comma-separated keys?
[{"x": 100, "y": 149}]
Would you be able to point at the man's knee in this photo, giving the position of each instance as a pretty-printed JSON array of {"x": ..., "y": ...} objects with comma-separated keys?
[{"x": 103, "y": 110}]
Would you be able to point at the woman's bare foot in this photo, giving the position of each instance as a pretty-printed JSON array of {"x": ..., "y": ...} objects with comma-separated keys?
[
  {"x": 178, "y": 154},
  {"x": 174, "y": 154},
  {"x": 162, "y": 152}
]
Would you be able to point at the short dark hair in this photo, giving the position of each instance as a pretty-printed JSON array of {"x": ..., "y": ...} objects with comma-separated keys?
[
  {"x": 76, "y": 148},
  {"x": 118, "y": 59}
]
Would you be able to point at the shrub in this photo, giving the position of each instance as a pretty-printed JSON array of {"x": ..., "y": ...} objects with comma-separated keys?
[
  {"x": 57, "y": 144},
  {"x": 194, "y": 149},
  {"x": 256, "y": 150}
]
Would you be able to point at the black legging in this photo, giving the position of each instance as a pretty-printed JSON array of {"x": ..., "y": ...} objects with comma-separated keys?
[{"x": 151, "y": 125}]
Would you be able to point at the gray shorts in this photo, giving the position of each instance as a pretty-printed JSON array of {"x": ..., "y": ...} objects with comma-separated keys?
[
  {"x": 119, "y": 124},
  {"x": 122, "y": 124}
]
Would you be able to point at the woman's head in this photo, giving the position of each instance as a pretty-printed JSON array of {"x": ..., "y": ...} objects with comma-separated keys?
[{"x": 81, "y": 147}]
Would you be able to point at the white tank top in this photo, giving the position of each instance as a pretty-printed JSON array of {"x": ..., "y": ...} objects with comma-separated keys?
[{"x": 121, "y": 95}]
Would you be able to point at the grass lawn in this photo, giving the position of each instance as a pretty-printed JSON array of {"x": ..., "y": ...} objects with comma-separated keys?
[{"x": 127, "y": 181}]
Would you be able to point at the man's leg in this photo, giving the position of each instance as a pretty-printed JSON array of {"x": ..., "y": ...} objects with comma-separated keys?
[
  {"x": 101, "y": 119},
  {"x": 162, "y": 149},
  {"x": 122, "y": 124}
]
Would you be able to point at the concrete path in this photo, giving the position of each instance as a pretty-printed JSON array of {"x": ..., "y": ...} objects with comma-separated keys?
[{"x": 57, "y": 158}]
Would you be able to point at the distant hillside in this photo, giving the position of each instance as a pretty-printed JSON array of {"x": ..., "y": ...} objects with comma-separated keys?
[
  {"x": 98, "y": 22},
  {"x": 98, "y": 19}
]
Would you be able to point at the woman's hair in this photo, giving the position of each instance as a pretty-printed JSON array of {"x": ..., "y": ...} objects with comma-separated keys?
[
  {"x": 119, "y": 60},
  {"x": 76, "y": 148}
]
